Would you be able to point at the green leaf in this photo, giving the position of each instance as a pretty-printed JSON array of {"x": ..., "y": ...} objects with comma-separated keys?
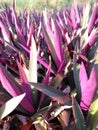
[
  {"x": 53, "y": 93},
  {"x": 93, "y": 116},
  {"x": 10, "y": 105},
  {"x": 78, "y": 116},
  {"x": 92, "y": 119},
  {"x": 93, "y": 50},
  {"x": 96, "y": 58},
  {"x": 40, "y": 124},
  {"x": 95, "y": 63},
  {"x": 57, "y": 80},
  {"x": 76, "y": 77}
]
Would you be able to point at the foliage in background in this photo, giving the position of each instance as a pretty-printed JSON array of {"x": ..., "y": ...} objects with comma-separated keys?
[{"x": 40, "y": 5}]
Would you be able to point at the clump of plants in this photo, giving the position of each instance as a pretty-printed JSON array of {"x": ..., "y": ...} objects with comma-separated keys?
[{"x": 48, "y": 69}]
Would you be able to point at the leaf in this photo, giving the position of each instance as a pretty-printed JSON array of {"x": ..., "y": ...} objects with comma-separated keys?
[
  {"x": 92, "y": 19},
  {"x": 78, "y": 116},
  {"x": 45, "y": 81},
  {"x": 64, "y": 117},
  {"x": 30, "y": 33},
  {"x": 50, "y": 44},
  {"x": 92, "y": 119},
  {"x": 57, "y": 37},
  {"x": 76, "y": 76},
  {"x": 55, "y": 94},
  {"x": 47, "y": 76},
  {"x": 88, "y": 87},
  {"x": 18, "y": 30},
  {"x": 13, "y": 88},
  {"x": 46, "y": 65},
  {"x": 33, "y": 71},
  {"x": 33, "y": 62},
  {"x": 93, "y": 37},
  {"x": 60, "y": 109},
  {"x": 5, "y": 32},
  {"x": 41, "y": 125},
  {"x": 73, "y": 18},
  {"x": 93, "y": 50},
  {"x": 24, "y": 86},
  {"x": 53, "y": 39},
  {"x": 83, "y": 75},
  {"x": 8, "y": 83},
  {"x": 56, "y": 80},
  {"x": 86, "y": 13},
  {"x": 10, "y": 105}
]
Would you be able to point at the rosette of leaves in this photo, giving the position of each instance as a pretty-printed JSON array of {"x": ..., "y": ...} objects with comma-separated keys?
[{"x": 45, "y": 59}]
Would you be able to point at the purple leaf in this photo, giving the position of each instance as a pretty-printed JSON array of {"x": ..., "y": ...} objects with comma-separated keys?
[
  {"x": 77, "y": 12},
  {"x": 88, "y": 87},
  {"x": 46, "y": 65},
  {"x": 19, "y": 33},
  {"x": 45, "y": 81},
  {"x": 13, "y": 88},
  {"x": 53, "y": 39},
  {"x": 62, "y": 66},
  {"x": 73, "y": 15},
  {"x": 57, "y": 40},
  {"x": 92, "y": 19},
  {"x": 47, "y": 76},
  {"x": 83, "y": 75},
  {"x": 24, "y": 86},
  {"x": 7, "y": 83},
  {"x": 50, "y": 43}
]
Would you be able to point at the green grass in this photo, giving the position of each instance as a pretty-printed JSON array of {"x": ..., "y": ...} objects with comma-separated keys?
[{"x": 41, "y": 4}]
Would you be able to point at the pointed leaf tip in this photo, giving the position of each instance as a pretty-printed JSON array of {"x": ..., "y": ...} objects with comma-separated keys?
[
  {"x": 10, "y": 105},
  {"x": 88, "y": 88}
]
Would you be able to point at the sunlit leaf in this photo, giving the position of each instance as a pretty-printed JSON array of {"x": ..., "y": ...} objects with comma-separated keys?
[
  {"x": 33, "y": 62},
  {"x": 10, "y": 105},
  {"x": 60, "y": 109},
  {"x": 33, "y": 70},
  {"x": 86, "y": 14}
]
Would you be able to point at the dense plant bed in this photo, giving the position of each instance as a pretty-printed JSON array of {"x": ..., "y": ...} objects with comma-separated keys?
[{"x": 49, "y": 69}]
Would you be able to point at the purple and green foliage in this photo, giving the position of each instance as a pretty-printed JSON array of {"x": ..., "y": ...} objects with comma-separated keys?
[{"x": 48, "y": 68}]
